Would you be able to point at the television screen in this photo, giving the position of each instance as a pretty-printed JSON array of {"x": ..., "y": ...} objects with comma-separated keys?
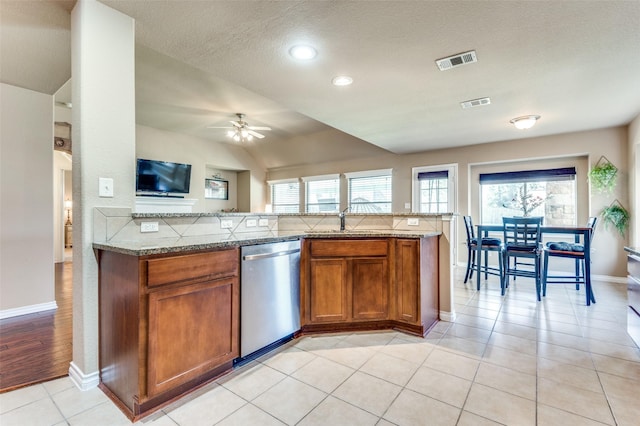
[{"x": 162, "y": 177}]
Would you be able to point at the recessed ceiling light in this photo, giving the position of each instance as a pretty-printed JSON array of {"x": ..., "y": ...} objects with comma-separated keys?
[
  {"x": 303, "y": 52},
  {"x": 525, "y": 122},
  {"x": 342, "y": 80}
]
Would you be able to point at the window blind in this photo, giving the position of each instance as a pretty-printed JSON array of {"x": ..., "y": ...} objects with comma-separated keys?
[
  {"x": 566, "y": 173},
  {"x": 441, "y": 174},
  {"x": 370, "y": 194},
  {"x": 285, "y": 197}
]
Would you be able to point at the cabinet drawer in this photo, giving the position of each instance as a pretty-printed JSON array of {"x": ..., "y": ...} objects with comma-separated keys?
[
  {"x": 192, "y": 267},
  {"x": 348, "y": 248}
]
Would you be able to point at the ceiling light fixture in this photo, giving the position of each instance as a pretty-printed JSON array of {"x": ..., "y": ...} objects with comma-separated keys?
[
  {"x": 342, "y": 80},
  {"x": 303, "y": 52},
  {"x": 240, "y": 135},
  {"x": 525, "y": 122}
]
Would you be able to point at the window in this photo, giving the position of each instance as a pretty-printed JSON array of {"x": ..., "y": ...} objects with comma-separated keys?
[
  {"x": 370, "y": 192},
  {"x": 549, "y": 193},
  {"x": 285, "y": 196},
  {"x": 434, "y": 191},
  {"x": 322, "y": 193}
]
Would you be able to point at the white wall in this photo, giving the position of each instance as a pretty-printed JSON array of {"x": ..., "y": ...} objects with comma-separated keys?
[
  {"x": 26, "y": 200},
  {"x": 634, "y": 182},
  {"x": 103, "y": 117},
  {"x": 203, "y": 155}
]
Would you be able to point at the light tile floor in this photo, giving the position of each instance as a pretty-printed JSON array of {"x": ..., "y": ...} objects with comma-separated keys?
[{"x": 505, "y": 360}]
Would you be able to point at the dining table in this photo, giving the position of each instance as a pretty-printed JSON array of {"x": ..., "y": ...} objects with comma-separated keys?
[{"x": 581, "y": 234}]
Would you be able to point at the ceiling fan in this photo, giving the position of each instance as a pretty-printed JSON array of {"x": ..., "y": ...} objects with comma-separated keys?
[{"x": 241, "y": 131}]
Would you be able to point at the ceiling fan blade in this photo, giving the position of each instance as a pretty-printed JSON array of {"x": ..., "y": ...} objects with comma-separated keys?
[
  {"x": 237, "y": 124},
  {"x": 258, "y": 128},
  {"x": 256, "y": 134}
]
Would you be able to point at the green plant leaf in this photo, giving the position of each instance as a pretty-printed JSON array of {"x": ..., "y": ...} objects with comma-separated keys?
[{"x": 617, "y": 216}]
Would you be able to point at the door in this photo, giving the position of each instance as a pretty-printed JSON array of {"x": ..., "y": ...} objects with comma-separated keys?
[
  {"x": 370, "y": 288},
  {"x": 328, "y": 292}
]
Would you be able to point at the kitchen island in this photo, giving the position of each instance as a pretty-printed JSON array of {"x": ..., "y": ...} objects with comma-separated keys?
[{"x": 169, "y": 307}]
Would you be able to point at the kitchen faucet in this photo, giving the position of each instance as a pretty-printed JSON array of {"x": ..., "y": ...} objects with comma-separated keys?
[{"x": 342, "y": 218}]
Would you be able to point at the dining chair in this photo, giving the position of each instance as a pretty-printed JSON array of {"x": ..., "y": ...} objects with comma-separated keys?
[
  {"x": 522, "y": 241},
  {"x": 486, "y": 245},
  {"x": 571, "y": 251}
]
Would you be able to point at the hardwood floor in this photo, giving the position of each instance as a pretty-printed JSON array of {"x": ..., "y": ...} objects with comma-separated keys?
[{"x": 37, "y": 347}]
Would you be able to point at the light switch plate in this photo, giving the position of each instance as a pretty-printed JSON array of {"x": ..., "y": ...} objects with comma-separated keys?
[
  {"x": 407, "y": 205},
  {"x": 105, "y": 187},
  {"x": 251, "y": 223},
  {"x": 263, "y": 222},
  {"x": 226, "y": 224},
  {"x": 413, "y": 221}
]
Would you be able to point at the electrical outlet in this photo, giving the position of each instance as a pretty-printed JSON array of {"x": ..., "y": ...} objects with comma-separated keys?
[
  {"x": 407, "y": 205},
  {"x": 149, "y": 227},
  {"x": 263, "y": 222},
  {"x": 105, "y": 187},
  {"x": 251, "y": 223},
  {"x": 413, "y": 221},
  {"x": 226, "y": 224}
]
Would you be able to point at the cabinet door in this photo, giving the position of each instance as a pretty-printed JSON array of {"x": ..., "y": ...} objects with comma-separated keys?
[
  {"x": 328, "y": 290},
  {"x": 192, "y": 329},
  {"x": 407, "y": 281},
  {"x": 370, "y": 288}
]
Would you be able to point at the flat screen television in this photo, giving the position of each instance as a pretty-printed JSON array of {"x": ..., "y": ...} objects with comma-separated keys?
[{"x": 162, "y": 177}]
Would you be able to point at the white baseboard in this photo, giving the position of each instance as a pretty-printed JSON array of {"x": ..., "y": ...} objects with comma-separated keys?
[
  {"x": 447, "y": 316},
  {"x": 83, "y": 381},
  {"x": 31, "y": 309}
]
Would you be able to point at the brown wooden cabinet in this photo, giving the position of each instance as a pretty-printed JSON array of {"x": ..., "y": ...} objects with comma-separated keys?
[
  {"x": 369, "y": 283},
  {"x": 416, "y": 283},
  {"x": 168, "y": 323}
]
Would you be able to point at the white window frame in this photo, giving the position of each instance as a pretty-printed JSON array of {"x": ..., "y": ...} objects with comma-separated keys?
[
  {"x": 452, "y": 185},
  {"x": 369, "y": 174},
  {"x": 271, "y": 183},
  {"x": 307, "y": 179},
  {"x": 452, "y": 195}
]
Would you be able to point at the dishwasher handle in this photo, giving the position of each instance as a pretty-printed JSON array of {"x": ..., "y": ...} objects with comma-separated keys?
[{"x": 268, "y": 255}]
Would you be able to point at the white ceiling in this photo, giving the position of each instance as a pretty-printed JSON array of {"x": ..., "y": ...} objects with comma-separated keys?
[{"x": 575, "y": 63}]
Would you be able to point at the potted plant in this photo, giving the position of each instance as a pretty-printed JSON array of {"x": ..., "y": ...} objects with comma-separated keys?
[
  {"x": 603, "y": 176},
  {"x": 616, "y": 216}
]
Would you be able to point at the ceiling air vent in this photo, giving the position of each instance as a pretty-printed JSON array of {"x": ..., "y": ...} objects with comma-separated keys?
[
  {"x": 475, "y": 103},
  {"x": 457, "y": 60}
]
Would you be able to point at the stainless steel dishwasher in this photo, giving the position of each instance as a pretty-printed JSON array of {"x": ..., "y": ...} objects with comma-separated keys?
[{"x": 269, "y": 295}]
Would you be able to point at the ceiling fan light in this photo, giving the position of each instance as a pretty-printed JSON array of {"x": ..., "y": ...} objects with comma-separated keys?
[
  {"x": 342, "y": 80},
  {"x": 525, "y": 122},
  {"x": 231, "y": 133},
  {"x": 249, "y": 138},
  {"x": 236, "y": 138},
  {"x": 303, "y": 52}
]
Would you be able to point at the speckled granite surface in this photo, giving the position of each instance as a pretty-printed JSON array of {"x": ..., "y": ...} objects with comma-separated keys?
[
  {"x": 211, "y": 242},
  {"x": 633, "y": 250}
]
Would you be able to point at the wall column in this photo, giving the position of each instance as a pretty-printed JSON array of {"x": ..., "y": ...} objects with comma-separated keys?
[{"x": 103, "y": 78}]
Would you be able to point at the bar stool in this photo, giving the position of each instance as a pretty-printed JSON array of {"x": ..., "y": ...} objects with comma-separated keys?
[
  {"x": 486, "y": 245},
  {"x": 571, "y": 251},
  {"x": 521, "y": 240}
]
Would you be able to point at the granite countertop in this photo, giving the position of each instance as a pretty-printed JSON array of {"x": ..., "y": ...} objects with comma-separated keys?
[
  {"x": 185, "y": 244},
  {"x": 633, "y": 250}
]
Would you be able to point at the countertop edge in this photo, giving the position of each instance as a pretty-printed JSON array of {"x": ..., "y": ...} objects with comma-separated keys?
[
  {"x": 126, "y": 247},
  {"x": 633, "y": 250}
]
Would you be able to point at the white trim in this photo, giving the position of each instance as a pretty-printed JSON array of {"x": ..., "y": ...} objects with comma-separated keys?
[
  {"x": 447, "y": 316},
  {"x": 609, "y": 278},
  {"x": 368, "y": 173},
  {"x": 31, "y": 309},
  {"x": 278, "y": 181},
  {"x": 334, "y": 176},
  {"x": 83, "y": 381}
]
